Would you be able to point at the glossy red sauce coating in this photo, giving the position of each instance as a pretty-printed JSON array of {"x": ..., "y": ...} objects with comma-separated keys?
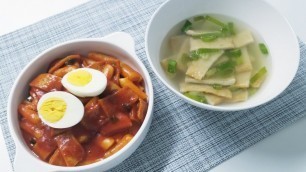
[{"x": 110, "y": 120}]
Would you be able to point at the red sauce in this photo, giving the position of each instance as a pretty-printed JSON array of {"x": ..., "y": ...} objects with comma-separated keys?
[{"x": 110, "y": 119}]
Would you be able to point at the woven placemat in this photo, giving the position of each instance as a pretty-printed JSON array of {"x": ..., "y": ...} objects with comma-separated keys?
[{"x": 182, "y": 137}]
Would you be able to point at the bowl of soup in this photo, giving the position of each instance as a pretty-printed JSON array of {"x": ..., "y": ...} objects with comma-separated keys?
[
  {"x": 222, "y": 55},
  {"x": 83, "y": 105}
]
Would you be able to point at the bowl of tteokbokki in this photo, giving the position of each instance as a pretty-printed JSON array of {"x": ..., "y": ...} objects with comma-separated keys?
[
  {"x": 222, "y": 55},
  {"x": 83, "y": 105}
]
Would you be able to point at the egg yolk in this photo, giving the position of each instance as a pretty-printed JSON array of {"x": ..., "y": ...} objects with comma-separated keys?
[
  {"x": 53, "y": 109},
  {"x": 79, "y": 78}
]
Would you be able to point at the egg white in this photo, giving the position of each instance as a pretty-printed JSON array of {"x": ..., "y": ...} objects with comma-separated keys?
[
  {"x": 95, "y": 87},
  {"x": 74, "y": 109}
]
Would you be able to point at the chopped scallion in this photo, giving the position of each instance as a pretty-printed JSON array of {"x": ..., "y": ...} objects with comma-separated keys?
[
  {"x": 198, "y": 18},
  {"x": 208, "y": 37},
  {"x": 207, "y": 50},
  {"x": 211, "y": 72},
  {"x": 226, "y": 68},
  {"x": 262, "y": 72},
  {"x": 233, "y": 53},
  {"x": 187, "y": 26},
  {"x": 231, "y": 28},
  {"x": 193, "y": 55},
  {"x": 226, "y": 32},
  {"x": 215, "y": 21},
  {"x": 263, "y": 48},
  {"x": 217, "y": 86},
  {"x": 238, "y": 60},
  {"x": 197, "y": 96},
  {"x": 196, "y": 54},
  {"x": 171, "y": 66}
]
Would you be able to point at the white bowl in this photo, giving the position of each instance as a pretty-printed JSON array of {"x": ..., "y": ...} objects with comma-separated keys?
[
  {"x": 258, "y": 15},
  {"x": 120, "y": 45}
]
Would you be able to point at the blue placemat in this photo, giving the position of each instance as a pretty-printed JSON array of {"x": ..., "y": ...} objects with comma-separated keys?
[{"x": 182, "y": 137}]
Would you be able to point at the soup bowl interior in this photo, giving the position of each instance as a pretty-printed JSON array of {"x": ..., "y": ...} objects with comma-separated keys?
[
  {"x": 111, "y": 45},
  {"x": 259, "y": 16}
]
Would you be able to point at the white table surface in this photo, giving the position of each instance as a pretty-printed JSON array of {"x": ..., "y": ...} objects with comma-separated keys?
[
  {"x": 4, "y": 157},
  {"x": 282, "y": 152}
]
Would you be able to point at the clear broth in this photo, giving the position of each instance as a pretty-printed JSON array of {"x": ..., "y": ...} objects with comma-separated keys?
[{"x": 253, "y": 48}]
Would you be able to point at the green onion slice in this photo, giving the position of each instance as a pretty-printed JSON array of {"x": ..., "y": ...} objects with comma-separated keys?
[
  {"x": 231, "y": 28},
  {"x": 211, "y": 72},
  {"x": 263, "y": 48},
  {"x": 208, "y": 37},
  {"x": 193, "y": 55},
  {"x": 238, "y": 60},
  {"x": 198, "y": 18},
  {"x": 233, "y": 53},
  {"x": 171, "y": 66},
  {"x": 217, "y": 86},
  {"x": 197, "y": 96},
  {"x": 262, "y": 72},
  {"x": 225, "y": 32},
  {"x": 226, "y": 68},
  {"x": 206, "y": 50},
  {"x": 215, "y": 21},
  {"x": 187, "y": 26},
  {"x": 196, "y": 54},
  {"x": 226, "y": 29}
]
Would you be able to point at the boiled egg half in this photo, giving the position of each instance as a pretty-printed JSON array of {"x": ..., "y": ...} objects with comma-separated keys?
[
  {"x": 85, "y": 82},
  {"x": 60, "y": 109}
]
